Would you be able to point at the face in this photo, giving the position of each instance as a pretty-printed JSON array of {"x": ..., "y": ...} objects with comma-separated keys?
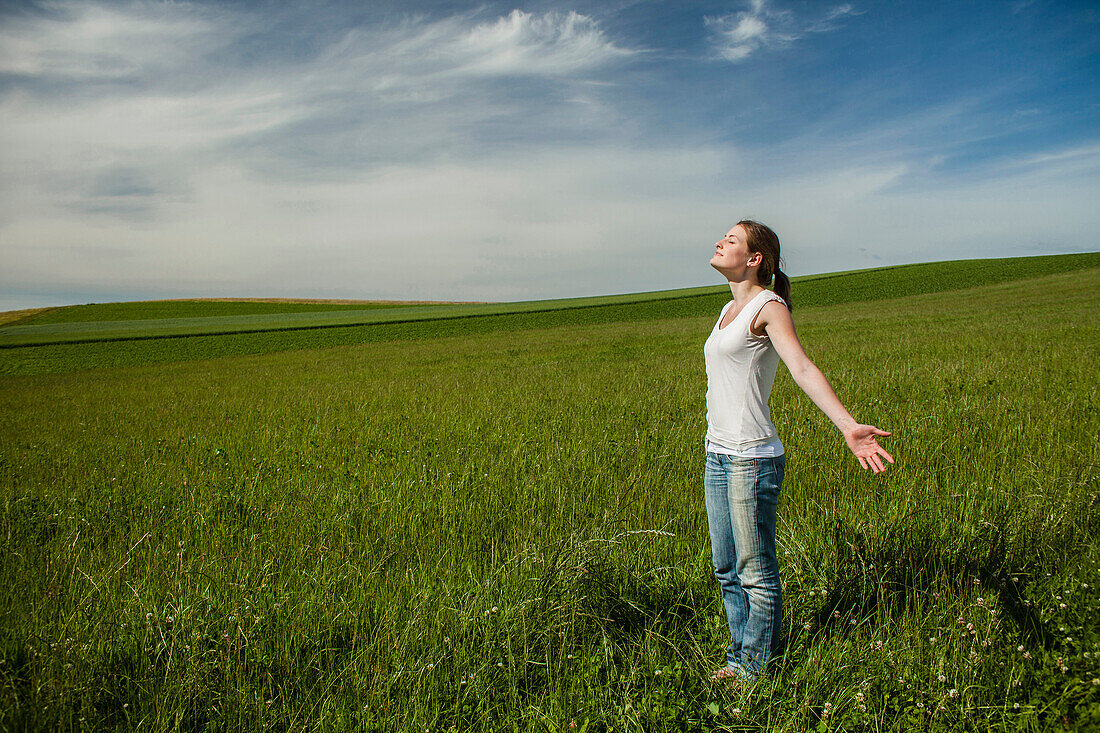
[{"x": 732, "y": 256}]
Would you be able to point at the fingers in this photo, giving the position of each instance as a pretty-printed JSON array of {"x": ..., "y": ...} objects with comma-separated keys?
[
  {"x": 881, "y": 432},
  {"x": 872, "y": 460}
]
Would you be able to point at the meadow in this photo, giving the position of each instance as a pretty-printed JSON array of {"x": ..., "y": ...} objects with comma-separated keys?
[{"x": 497, "y": 523}]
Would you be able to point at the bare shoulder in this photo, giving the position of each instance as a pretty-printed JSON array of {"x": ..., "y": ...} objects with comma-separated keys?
[{"x": 773, "y": 314}]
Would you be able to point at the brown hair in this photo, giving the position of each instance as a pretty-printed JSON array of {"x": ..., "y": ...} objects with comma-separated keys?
[{"x": 760, "y": 238}]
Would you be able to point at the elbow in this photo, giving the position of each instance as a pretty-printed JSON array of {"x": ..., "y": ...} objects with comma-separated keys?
[{"x": 802, "y": 370}]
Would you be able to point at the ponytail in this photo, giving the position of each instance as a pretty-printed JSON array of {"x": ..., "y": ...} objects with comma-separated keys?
[
  {"x": 783, "y": 288},
  {"x": 760, "y": 238}
]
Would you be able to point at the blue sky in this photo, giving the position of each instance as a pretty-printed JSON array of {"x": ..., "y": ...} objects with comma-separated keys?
[{"x": 511, "y": 151}]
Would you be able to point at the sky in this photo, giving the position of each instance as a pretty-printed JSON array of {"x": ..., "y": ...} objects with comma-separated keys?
[{"x": 513, "y": 151}]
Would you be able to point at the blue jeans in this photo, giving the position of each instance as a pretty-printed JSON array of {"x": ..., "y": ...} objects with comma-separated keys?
[{"x": 741, "y": 495}]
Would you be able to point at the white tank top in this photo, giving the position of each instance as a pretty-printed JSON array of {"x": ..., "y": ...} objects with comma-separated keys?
[{"x": 740, "y": 372}]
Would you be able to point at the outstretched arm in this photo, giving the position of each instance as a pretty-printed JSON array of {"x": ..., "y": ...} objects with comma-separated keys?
[{"x": 776, "y": 321}]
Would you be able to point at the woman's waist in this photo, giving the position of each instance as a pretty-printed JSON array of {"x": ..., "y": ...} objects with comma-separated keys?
[
  {"x": 746, "y": 436},
  {"x": 768, "y": 449}
]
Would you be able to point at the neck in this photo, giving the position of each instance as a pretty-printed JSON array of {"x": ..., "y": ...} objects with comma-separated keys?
[{"x": 745, "y": 290}]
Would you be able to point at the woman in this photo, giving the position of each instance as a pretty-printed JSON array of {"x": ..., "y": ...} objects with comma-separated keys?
[{"x": 745, "y": 459}]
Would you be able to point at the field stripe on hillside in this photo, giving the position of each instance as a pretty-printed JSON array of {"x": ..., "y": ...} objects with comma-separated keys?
[{"x": 871, "y": 284}]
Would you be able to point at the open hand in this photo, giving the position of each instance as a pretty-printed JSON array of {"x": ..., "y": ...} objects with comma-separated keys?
[{"x": 863, "y": 440}]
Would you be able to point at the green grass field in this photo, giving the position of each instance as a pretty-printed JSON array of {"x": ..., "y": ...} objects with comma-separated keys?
[{"x": 497, "y": 523}]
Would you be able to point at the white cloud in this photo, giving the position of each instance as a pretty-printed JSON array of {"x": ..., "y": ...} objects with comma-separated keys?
[
  {"x": 95, "y": 42},
  {"x": 420, "y": 61},
  {"x": 548, "y": 223},
  {"x": 177, "y": 173},
  {"x": 522, "y": 43},
  {"x": 1084, "y": 155},
  {"x": 736, "y": 36},
  {"x": 370, "y": 97}
]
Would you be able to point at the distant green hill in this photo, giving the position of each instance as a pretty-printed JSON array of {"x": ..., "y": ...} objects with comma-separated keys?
[
  {"x": 173, "y": 336},
  {"x": 158, "y": 319},
  {"x": 143, "y": 310}
]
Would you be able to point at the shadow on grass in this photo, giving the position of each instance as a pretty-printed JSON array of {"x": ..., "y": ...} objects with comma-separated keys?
[{"x": 896, "y": 572}]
